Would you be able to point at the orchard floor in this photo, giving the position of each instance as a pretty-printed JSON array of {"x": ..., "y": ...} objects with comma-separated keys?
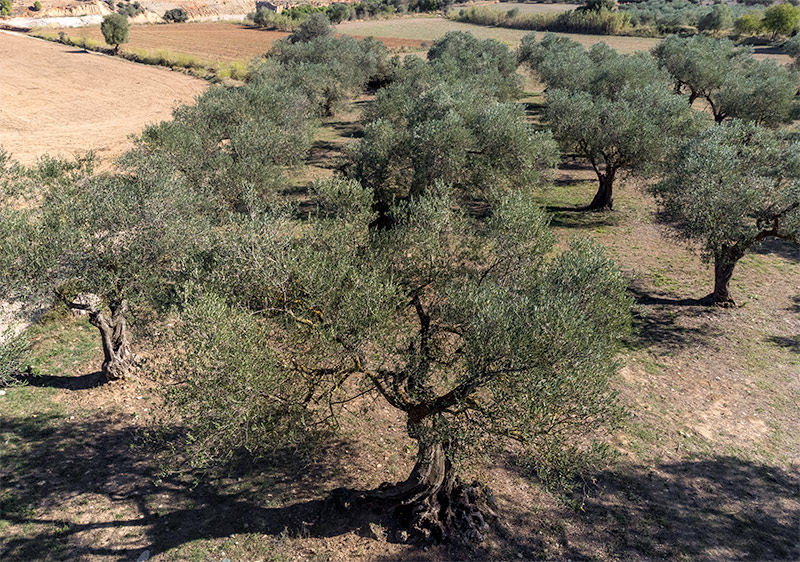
[
  {"x": 707, "y": 470},
  {"x": 62, "y": 100}
]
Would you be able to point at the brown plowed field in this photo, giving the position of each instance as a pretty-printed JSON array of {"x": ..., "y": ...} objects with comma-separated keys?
[
  {"x": 56, "y": 99},
  {"x": 209, "y": 41}
]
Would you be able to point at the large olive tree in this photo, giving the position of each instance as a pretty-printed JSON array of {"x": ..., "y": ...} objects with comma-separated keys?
[
  {"x": 475, "y": 331},
  {"x": 632, "y": 133},
  {"x": 729, "y": 79},
  {"x": 615, "y": 110},
  {"x": 728, "y": 190},
  {"x": 102, "y": 244}
]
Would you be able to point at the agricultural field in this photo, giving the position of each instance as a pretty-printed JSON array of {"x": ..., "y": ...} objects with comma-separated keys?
[
  {"x": 525, "y": 8},
  {"x": 431, "y": 28},
  {"x": 58, "y": 100},
  {"x": 210, "y": 42}
]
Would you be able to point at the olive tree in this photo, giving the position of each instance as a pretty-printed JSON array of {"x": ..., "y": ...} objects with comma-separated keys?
[
  {"x": 729, "y": 79},
  {"x": 633, "y": 133},
  {"x": 475, "y": 330},
  {"x": 102, "y": 244},
  {"x": 485, "y": 64},
  {"x": 328, "y": 69},
  {"x": 447, "y": 133},
  {"x": 781, "y": 19},
  {"x": 728, "y": 190},
  {"x": 614, "y": 110},
  {"x": 115, "y": 29},
  {"x": 562, "y": 63},
  {"x": 234, "y": 144}
]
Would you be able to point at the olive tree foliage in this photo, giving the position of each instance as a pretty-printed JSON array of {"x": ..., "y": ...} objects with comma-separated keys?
[
  {"x": 728, "y": 190},
  {"x": 235, "y": 144},
  {"x": 792, "y": 48},
  {"x": 115, "y": 29},
  {"x": 485, "y": 64},
  {"x": 328, "y": 69},
  {"x": 617, "y": 111},
  {"x": 718, "y": 19},
  {"x": 429, "y": 125},
  {"x": 464, "y": 138},
  {"x": 729, "y": 79},
  {"x": 562, "y": 63},
  {"x": 632, "y": 133},
  {"x": 476, "y": 331},
  {"x": 109, "y": 245},
  {"x": 315, "y": 27},
  {"x": 781, "y": 19}
]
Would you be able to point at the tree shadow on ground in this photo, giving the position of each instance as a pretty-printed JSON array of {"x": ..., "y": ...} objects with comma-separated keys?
[
  {"x": 687, "y": 508},
  {"x": 780, "y": 248},
  {"x": 721, "y": 508},
  {"x": 580, "y": 217},
  {"x": 81, "y": 382},
  {"x": 790, "y": 343},
  {"x": 659, "y": 319}
]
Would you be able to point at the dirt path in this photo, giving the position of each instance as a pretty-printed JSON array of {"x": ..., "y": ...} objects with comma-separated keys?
[{"x": 62, "y": 100}]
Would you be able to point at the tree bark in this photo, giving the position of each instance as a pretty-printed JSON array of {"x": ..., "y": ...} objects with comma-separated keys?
[
  {"x": 724, "y": 264},
  {"x": 432, "y": 505},
  {"x": 603, "y": 200},
  {"x": 117, "y": 356}
]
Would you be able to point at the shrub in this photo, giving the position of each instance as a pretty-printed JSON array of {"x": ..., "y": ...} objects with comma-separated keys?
[
  {"x": 781, "y": 19},
  {"x": 176, "y": 15},
  {"x": 37, "y": 6},
  {"x": 115, "y": 28},
  {"x": 13, "y": 354},
  {"x": 5, "y": 7},
  {"x": 749, "y": 24}
]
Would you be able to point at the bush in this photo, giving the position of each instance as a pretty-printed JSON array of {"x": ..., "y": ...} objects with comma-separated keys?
[
  {"x": 37, "y": 6},
  {"x": 749, "y": 24},
  {"x": 115, "y": 30},
  {"x": 5, "y": 7},
  {"x": 316, "y": 27},
  {"x": 13, "y": 354},
  {"x": 176, "y": 15},
  {"x": 781, "y": 19}
]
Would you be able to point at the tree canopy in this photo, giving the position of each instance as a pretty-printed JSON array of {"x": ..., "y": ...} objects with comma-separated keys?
[
  {"x": 462, "y": 324},
  {"x": 614, "y": 110},
  {"x": 115, "y": 29},
  {"x": 729, "y": 79},
  {"x": 728, "y": 190}
]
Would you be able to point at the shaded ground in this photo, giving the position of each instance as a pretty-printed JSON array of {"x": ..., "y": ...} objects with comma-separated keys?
[{"x": 62, "y": 100}]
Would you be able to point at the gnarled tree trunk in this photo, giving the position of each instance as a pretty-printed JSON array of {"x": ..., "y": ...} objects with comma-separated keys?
[
  {"x": 724, "y": 264},
  {"x": 117, "y": 356},
  {"x": 432, "y": 505},
  {"x": 603, "y": 200}
]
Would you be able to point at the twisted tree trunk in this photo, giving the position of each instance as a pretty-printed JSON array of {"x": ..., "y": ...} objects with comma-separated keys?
[
  {"x": 603, "y": 200},
  {"x": 432, "y": 505},
  {"x": 117, "y": 356},
  {"x": 724, "y": 264}
]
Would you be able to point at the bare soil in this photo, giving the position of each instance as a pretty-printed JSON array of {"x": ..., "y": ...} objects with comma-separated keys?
[
  {"x": 63, "y": 100},
  {"x": 209, "y": 41}
]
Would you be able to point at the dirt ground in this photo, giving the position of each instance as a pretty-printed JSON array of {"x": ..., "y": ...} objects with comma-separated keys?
[
  {"x": 210, "y": 41},
  {"x": 62, "y": 100}
]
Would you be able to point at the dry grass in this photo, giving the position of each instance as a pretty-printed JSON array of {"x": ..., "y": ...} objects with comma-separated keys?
[{"x": 205, "y": 41}]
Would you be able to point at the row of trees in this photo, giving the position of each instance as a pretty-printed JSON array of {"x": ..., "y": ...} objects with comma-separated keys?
[
  {"x": 287, "y": 310},
  {"x": 425, "y": 276},
  {"x": 629, "y": 113}
]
